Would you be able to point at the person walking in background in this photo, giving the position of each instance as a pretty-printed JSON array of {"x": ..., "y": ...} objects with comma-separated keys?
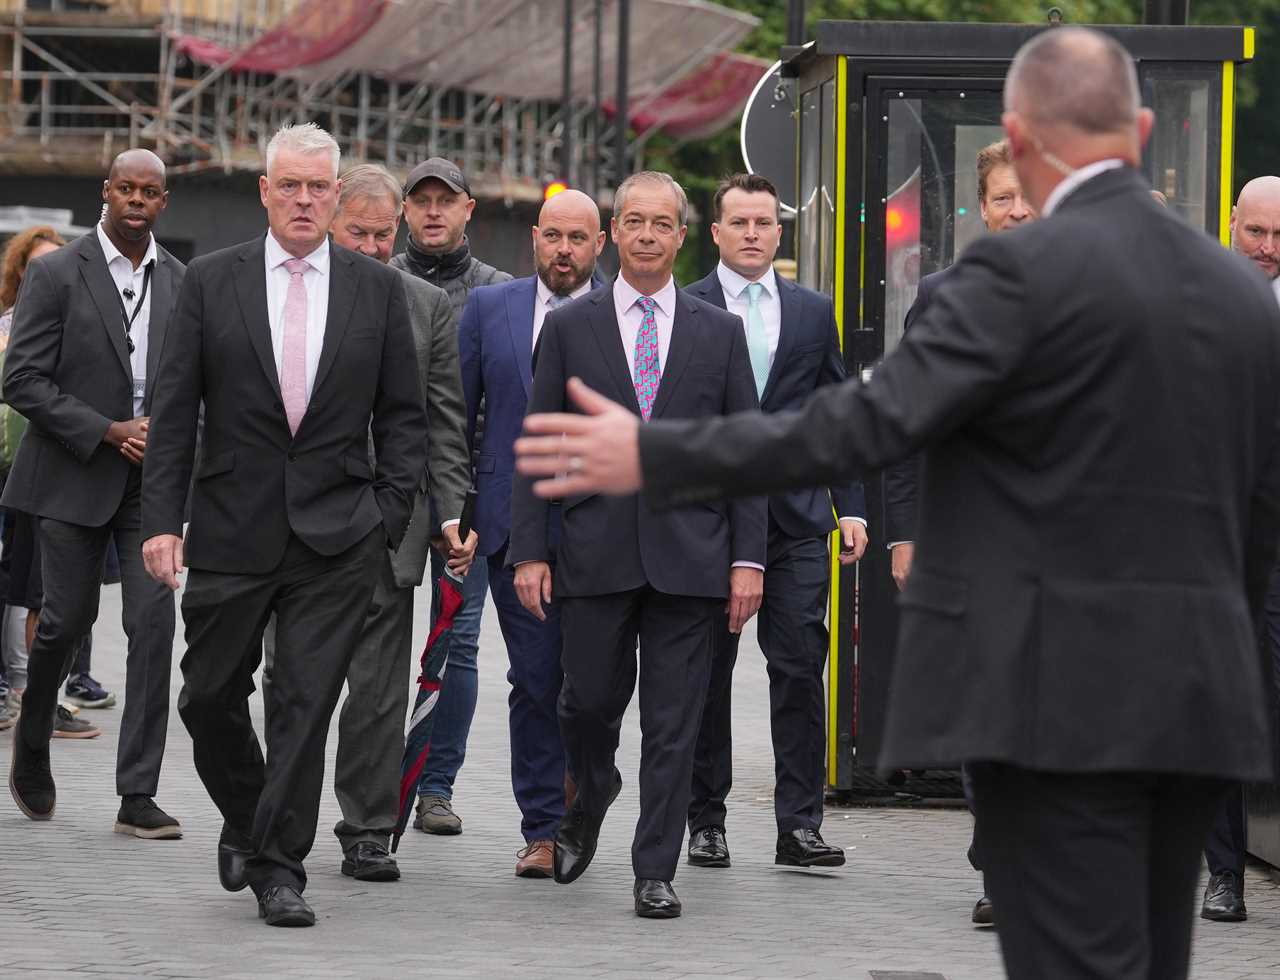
[
  {"x": 437, "y": 206},
  {"x": 81, "y": 366}
]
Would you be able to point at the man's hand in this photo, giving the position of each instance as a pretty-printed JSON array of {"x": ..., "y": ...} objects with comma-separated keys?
[
  {"x": 533, "y": 586},
  {"x": 853, "y": 541},
  {"x": 900, "y": 556},
  {"x": 460, "y": 555},
  {"x": 746, "y": 591},
  {"x": 162, "y": 556},
  {"x": 130, "y": 438},
  {"x": 598, "y": 452}
]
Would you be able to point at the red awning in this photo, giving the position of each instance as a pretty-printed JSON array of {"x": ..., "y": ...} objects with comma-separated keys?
[{"x": 701, "y": 103}]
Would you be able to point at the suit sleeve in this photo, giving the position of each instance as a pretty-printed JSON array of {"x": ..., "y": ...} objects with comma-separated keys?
[
  {"x": 470, "y": 352},
  {"x": 448, "y": 466},
  {"x": 31, "y": 362},
  {"x": 175, "y": 414},
  {"x": 399, "y": 423},
  {"x": 948, "y": 368},
  {"x": 529, "y": 511},
  {"x": 847, "y": 497},
  {"x": 748, "y": 516},
  {"x": 902, "y": 478}
]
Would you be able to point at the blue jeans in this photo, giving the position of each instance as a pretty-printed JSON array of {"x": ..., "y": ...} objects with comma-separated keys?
[{"x": 461, "y": 684}]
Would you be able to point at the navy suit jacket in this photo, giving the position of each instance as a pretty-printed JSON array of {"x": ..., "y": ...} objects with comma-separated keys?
[
  {"x": 495, "y": 348},
  {"x": 807, "y": 358}
]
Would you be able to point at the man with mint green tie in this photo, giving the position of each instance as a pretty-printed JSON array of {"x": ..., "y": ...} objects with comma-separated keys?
[{"x": 794, "y": 349}]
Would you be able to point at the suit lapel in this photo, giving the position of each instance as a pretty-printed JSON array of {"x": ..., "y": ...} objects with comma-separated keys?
[
  {"x": 103, "y": 290},
  {"x": 251, "y": 293},
  {"x": 161, "y": 304},
  {"x": 790, "y": 302},
  {"x": 342, "y": 300},
  {"x": 683, "y": 327},
  {"x": 604, "y": 324},
  {"x": 521, "y": 298}
]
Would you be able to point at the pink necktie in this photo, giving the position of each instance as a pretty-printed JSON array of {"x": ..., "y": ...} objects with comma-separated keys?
[{"x": 293, "y": 359}]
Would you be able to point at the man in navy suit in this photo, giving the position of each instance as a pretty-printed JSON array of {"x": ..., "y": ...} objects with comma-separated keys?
[
  {"x": 499, "y": 329},
  {"x": 794, "y": 348}
]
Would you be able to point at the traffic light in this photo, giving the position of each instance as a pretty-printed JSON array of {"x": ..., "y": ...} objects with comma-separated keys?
[{"x": 554, "y": 188}]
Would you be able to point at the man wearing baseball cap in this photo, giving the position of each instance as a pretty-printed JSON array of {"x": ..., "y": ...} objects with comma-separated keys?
[{"x": 437, "y": 207}]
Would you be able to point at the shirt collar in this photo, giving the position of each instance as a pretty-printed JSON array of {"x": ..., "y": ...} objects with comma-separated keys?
[
  {"x": 734, "y": 283},
  {"x": 545, "y": 294},
  {"x": 1068, "y": 185},
  {"x": 277, "y": 256},
  {"x": 112, "y": 253},
  {"x": 627, "y": 294}
]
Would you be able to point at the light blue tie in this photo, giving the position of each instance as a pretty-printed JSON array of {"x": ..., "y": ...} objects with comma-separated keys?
[{"x": 757, "y": 341}]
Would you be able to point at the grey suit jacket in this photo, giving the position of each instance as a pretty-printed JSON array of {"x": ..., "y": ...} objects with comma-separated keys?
[
  {"x": 67, "y": 372},
  {"x": 435, "y": 340}
]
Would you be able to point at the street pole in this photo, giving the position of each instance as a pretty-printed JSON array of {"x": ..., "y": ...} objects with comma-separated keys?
[
  {"x": 566, "y": 98},
  {"x": 1176, "y": 12},
  {"x": 597, "y": 86},
  {"x": 795, "y": 22},
  {"x": 621, "y": 166}
]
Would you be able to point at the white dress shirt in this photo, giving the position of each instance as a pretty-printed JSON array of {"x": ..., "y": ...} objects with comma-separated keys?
[
  {"x": 631, "y": 316},
  {"x": 316, "y": 279},
  {"x": 734, "y": 286},
  {"x": 127, "y": 277},
  {"x": 1069, "y": 185},
  {"x": 1275, "y": 284},
  {"x": 542, "y": 304}
]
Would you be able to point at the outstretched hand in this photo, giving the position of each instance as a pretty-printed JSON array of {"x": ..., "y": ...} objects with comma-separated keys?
[{"x": 596, "y": 452}]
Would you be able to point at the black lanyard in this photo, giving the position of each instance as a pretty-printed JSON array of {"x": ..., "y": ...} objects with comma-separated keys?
[{"x": 128, "y": 320}]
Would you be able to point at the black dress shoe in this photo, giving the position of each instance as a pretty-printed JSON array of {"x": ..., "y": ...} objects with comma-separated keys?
[
  {"x": 708, "y": 848},
  {"x": 369, "y": 861},
  {"x": 281, "y": 905},
  {"x": 234, "y": 852},
  {"x": 577, "y": 837},
  {"x": 983, "y": 913},
  {"x": 31, "y": 779},
  {"x": 1224, "y": 898},
  {"x": 656, "y": 899},
  {"x": 806, "y": 849}
]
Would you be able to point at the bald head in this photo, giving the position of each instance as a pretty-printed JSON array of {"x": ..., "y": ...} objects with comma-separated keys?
[
  {"x": 1255, "y": 224},
  {"x": 566, "y": 241},
  {"x": 1075, "y": 77},
  {"x": 138, "y": 162}
]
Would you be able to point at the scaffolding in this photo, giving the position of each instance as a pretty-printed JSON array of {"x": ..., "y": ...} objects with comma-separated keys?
[{"x": 206, "y": 82}]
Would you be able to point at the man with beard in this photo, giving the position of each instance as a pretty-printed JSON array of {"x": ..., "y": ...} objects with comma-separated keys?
[
  {"x": 499, "y": 330},
  {"x": 82, "y": 367},
  {"x": 437, "y": 206}
]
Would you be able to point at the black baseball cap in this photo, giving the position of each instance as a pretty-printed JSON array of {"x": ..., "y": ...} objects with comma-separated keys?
[{"x": 441, "y": 169}]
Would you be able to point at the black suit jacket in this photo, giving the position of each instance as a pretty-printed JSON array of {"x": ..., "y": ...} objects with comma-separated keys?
[
  {"x": 256, "y": 483},
  {"x": 808, "y": 357},
  {"x": 902, "y": 479},
  {"x": 67, "y": 371},
  {"x": 1101, "y": 496},
  {"x": 613, "y": 544}
]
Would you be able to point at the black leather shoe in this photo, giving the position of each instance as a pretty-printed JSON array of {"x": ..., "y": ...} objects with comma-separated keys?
[
  {"x": 369, "y": 861},
  {"x": 983, "y": 913},
  {"x": 708, "y": 848},
  {"x": 1224, "y": 898},
  {"x": 281, "y": 905},
  {"x": 656, "y": 899},
  {"x": 233, "y": 858},
  {"x": 806, "y": 849},
  {"x": 577, "y": 837},
  {"x": 31, "y": 780}
]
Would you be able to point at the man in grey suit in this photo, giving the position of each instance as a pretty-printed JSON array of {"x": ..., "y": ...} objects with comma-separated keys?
[
  {"x": 81, "y": 367},
  {"x": 366, "y": 775}
]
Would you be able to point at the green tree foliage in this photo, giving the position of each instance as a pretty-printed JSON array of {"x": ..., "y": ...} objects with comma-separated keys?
[{"x": 699, "y": 165}]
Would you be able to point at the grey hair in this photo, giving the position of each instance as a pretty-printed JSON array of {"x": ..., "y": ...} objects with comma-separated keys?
[
  {"x": 370, "y": 181},
  {"x": 1075, "y": 76},
  {"x": 303, "y": 138},
  {"x": 652, "y": 177}
]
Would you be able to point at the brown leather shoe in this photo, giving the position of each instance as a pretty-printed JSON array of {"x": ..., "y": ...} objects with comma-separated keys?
[{"x": 535, "y": 860}]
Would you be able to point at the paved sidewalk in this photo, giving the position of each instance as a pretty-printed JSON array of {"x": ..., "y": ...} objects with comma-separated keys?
[{"x": 80, "y": 900}]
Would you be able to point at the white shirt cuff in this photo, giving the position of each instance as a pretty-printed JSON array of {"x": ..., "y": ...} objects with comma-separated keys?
[
  {"x": 747, "y": 564},
  {"x": 893, "y": 544},
  {"x": 452, "y": 523},
  {"x": 860, "y": 520}
]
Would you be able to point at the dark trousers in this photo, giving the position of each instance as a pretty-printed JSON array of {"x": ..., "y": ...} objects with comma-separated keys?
[
  {"x": 1093, "y": 875},
  {"x": 72, "y": 558},
  {"x": 366, "y": 770},
  {"x": 675, "y": 638},
  {"x": 320, "y": 604},
  {"x": 793, "y": 637},
  {"x": 535, "y": 676}
]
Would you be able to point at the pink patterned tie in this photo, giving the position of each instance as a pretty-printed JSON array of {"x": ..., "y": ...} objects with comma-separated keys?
[
  {"x": 293, "y": 360},
  {"x": 647, "y": 374}
]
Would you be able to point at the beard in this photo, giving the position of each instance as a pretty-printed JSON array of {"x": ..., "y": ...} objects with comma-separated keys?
[{"x": 563, "y": 283}]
